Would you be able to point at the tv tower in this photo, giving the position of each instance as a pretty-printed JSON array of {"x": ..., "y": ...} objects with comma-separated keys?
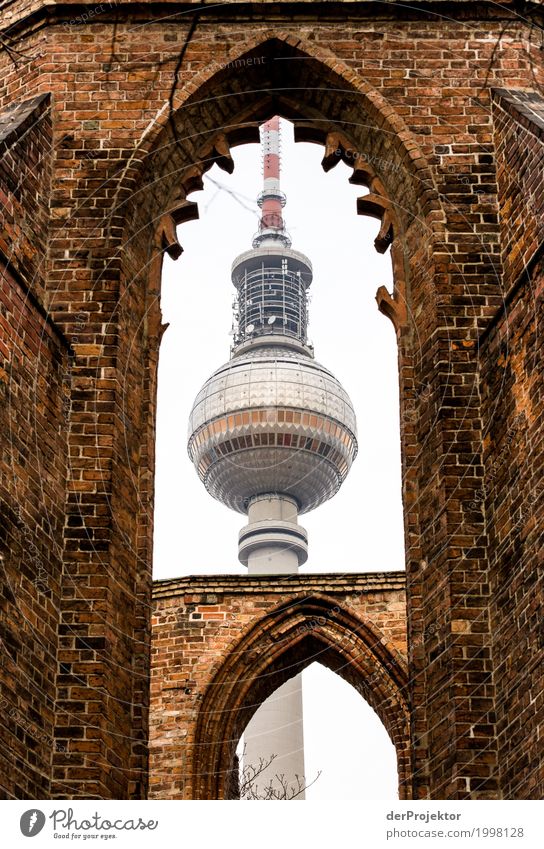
[{"x": 272, "y": 433}]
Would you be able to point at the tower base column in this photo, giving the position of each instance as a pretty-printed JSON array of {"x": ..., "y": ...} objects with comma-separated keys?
[
  {"x": 277, "y": 729},
  {"x": 273, "y": 542}
]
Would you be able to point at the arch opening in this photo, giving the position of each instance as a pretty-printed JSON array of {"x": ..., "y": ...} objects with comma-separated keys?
[
  {"x": 324, "y": 98},
  {"x": 223, "y": 110},
  {"x": 275, "y": 650},
  {"x": 191, "y": 161},
  {"x": 328, "y": 105},
  {"x": 348, "y": 753}
]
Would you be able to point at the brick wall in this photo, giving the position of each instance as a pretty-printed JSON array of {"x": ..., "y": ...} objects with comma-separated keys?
[
  {"x": 25, "y": 175},
  {"x": 33, "y": 361},
  {"x": 513, "y": 495},
  {"x": 512, "y": 492},
  {"x": 34, "y": 381},
  {"x": 519, "y": 144}
]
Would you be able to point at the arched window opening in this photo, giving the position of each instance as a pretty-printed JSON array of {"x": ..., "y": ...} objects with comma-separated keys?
[
  {"x": 361, "y": 528},
  {"x": 341, "y": 734}
]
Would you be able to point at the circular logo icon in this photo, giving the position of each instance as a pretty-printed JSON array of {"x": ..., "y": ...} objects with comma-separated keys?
[{"x": 32, "y": 822}]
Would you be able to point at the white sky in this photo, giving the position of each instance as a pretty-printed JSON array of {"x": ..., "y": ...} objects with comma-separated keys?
[{"x": 360, "y": 529}]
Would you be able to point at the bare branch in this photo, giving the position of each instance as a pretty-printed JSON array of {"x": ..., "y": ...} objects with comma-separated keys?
[
  {"x": 277, "y": 788},
  {"x": 17, "y": 56}
]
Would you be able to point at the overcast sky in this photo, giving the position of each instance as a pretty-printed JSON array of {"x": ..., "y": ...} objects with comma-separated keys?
[{"x": 360, "y": 529}]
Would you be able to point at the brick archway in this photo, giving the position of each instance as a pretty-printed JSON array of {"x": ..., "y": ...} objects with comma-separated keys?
[
  {"x": 216, "y": 113},
  {"x": 251, "y": 636}
]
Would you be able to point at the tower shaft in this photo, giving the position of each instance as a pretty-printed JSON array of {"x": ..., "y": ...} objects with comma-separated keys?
[{"x": 273, "y": 543}]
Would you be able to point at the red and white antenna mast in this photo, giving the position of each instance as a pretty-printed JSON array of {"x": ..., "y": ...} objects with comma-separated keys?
[{"x": 271, "y": 200}]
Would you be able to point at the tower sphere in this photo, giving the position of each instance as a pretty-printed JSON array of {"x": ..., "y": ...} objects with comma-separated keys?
[{"x": 272, "y": 420}]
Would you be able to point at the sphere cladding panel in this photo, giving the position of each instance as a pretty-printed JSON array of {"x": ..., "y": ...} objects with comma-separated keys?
[
  {"x": 310, "y": 480},
  {"x": 268, "y": 377}
]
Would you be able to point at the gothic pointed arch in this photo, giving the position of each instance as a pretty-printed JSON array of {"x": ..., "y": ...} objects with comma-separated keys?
[
  {"x": 279, "y": 646},
  {"x": 278, "y": 73}
]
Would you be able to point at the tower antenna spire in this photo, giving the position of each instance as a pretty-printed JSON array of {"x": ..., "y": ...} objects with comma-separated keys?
[{"x": 271, "y": 200}]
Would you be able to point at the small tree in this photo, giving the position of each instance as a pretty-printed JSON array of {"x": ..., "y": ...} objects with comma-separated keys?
[{"x": 277, "y": 788}]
